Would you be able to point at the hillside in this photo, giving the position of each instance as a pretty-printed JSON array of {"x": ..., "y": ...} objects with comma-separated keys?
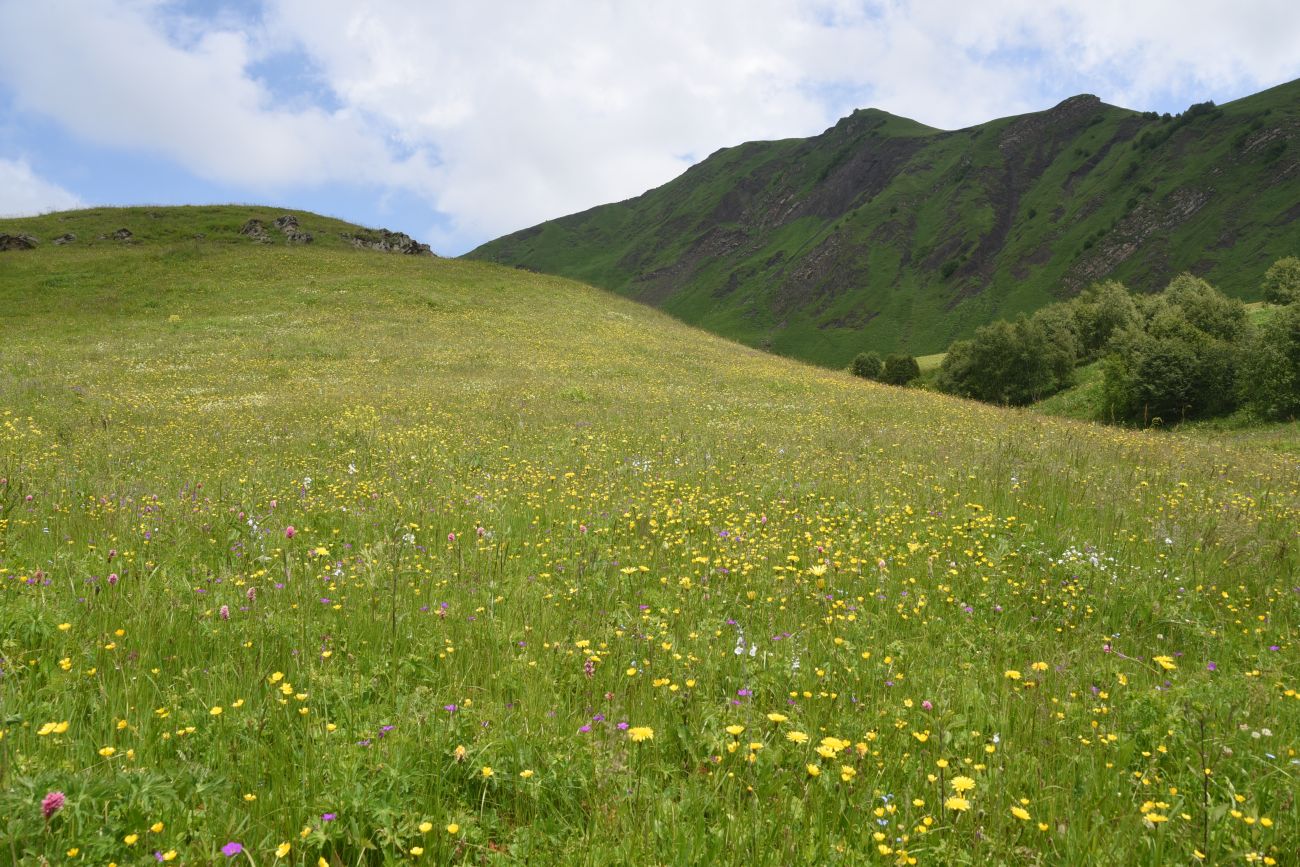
[
  {"x": 884, "y": 234},
  {"x": 309, "y": 553}
]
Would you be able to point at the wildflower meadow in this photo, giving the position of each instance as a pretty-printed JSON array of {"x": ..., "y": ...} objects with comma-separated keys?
[{"x": 316, "y": 556}]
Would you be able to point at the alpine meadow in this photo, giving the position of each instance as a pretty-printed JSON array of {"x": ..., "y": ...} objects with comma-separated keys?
[{"x": 313, "y": 554}]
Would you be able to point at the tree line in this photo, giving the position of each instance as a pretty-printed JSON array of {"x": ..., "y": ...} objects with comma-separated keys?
[{"x": 1186, "y": 352}]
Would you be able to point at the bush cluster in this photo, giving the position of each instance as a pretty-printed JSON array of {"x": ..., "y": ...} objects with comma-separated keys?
[
  {"x": 1187, "y": 352},
  {"x": 893, "y": 369}
]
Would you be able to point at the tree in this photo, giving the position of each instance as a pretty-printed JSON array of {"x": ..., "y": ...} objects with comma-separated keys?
[
  {"x": 1281, "y": 284},
  {"x": 1012, "y": 362},
  {"x": 867, "y": 365},
  {"x": 899, "y": 369},
  {"x": 1180, "y": 360},
  {"x": 1271, "y": 368},
  {"x": 1101, "y": 311}
]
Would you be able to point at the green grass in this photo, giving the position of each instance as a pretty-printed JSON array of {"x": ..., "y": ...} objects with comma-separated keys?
[
  {"x": 526, "y": 512},
  {"x": 797, "y": 247}
]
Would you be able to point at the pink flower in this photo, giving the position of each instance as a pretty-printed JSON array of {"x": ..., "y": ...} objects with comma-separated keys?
[
  {"x": 112, "y": 579},
  {"x": 451, "y": 537},
  {"x": 290, "y": 532},
  {"x": 53, "y": 803},
  {"x": 231, "y": 849},
  {"x": 224, "y": 612}
]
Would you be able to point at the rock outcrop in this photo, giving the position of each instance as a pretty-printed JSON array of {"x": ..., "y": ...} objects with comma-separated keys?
[
  {"x": 65, "y": 239},
  {"x": 388, "y": 242},
  {"x": 17, "y": 242}
]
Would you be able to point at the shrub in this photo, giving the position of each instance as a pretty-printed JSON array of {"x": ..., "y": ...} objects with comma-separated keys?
[
  {"x": 1281, "y": 284},
  {"x": 867, "y": 365},
  {"x": 899, "y": 369},
  {"x": 1101, "y": 311}
]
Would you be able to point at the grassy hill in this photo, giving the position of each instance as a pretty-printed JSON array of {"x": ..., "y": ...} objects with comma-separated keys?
[
  {"x": 884, "y": 234},
  {"x": 384, "y": 559}
]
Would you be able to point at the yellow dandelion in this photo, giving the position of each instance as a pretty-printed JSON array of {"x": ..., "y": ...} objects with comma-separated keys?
[
  {"x": 426, "y": 827},
  {"x": 1165, "y": 662},
  {"x": 1012, "y": 674},
  {"x": 641, "y": 733},
  {"x": 777, "y": 717},
  {"x": 962, "y": 784},
  {"x": 796, "y": 737},
  {"x": 282, "y": 850},
  {"x": 1020, "y": 813},
  {"x": 958, "y": 803},
  {"x": 735, "y": 730},
  {"x": 453, "y": 828}
]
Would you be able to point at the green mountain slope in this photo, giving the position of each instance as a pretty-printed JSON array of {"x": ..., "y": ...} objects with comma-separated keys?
[
  {"x": 324, "y": 554},
  {"x": 883, "y": 233}
]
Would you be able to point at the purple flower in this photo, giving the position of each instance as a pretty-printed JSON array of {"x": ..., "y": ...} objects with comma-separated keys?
[
  {"x": 231, "y": 849},
  {"x": 622, "y": 726},
  {"x": 450, "y": 708},
  {"x": 52, "y": 803},
  {"x": 585, "y": 730},
  {"x": 1211, "y": 666},
  {"x": 328, "y": 817}
]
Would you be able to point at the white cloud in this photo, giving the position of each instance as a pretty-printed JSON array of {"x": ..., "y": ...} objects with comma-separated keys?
[
  {"x": 107, "y": 72},
  {"x": 23, "y": 193},
  {"x": 501, "y": 114}
]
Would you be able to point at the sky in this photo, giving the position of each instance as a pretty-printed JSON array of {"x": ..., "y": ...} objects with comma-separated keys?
[{"x": 458, "y": 122}]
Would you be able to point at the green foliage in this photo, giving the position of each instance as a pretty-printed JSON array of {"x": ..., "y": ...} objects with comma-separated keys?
[
  {"x": 1013, "y": 363},
  {"x": 1181, "y": 360},
  {"x": 1270, "y": 374},
  {"x": 867, "y": 365},
  {"x": 1281, "y": 284},
  {"x": 1101, "y": 311},
  {"x": 899, "y": 369}
]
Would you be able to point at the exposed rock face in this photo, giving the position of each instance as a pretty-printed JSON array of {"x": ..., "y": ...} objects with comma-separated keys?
[
  {"x": 65, "y": 239},
  {"x": 388, "y": 242},
  {"x": 256, "y": 230},
  {"x": 286, "y": 223},
  {"x": 17, "y": 242},
  {"x": 123, "y": 235}
]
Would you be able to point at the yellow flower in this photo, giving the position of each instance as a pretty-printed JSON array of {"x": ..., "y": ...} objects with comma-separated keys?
[
  {"x": 169, "y": 855},
  {"x": 847, "y": 773},
  {"x": 1039, "y": 666},
  {"x": 130, "y": 839},
  {"x": 453, "y": 828},
  {"x": 426, "y": 827},
  {"x": 487, "y": 772},
  {"x": 277, "y": 677},
  {"x": 1165, "y": 662},
  {"x": 156, "y": 827},
  {"x": 249, "y": 796},
  {"x": 64, "y": 627},
  {"x": 216, "y": 711},
  {"x": 813, "y": 770},
  {"x": 1154, "y": 819},
  {"x": 526, "y": 774},
  {"x": 74, "y": 852},
  {"x": 417, "y": 851},
  {"x": 796, "y": 737},
  {"x": 1012, "y": 674},
  {"x": 777, "y": 717},
  {"x": 958, "y": 803},
  {"x": 107, "y": 751},
  {"x": 641, "y": 733},
  {"x": 1020, "y": 813},
  {"x": 282, "y": 850},
  {"x": 962, "y": 784},
  {"x": 735, "y": 730},
  {"x": 921, "y": 736}
]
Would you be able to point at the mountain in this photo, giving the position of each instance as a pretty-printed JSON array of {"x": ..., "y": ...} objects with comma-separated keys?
[{"x": 882, "y": 233}]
